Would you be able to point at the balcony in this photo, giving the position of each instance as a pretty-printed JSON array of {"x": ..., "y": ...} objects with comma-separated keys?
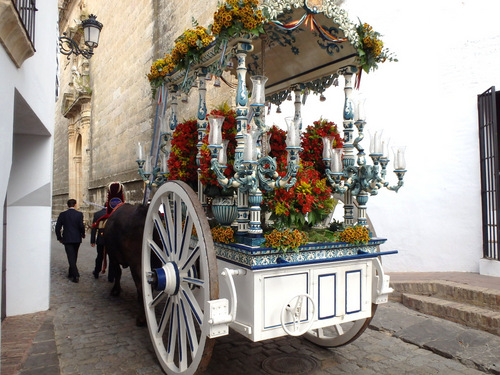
[{"x": 17, "y": 29}]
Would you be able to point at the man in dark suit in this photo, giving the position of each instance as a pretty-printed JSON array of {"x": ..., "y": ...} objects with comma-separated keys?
[
  {"x": 97, "y": 239},
  {"x": 71, "y": 221}
]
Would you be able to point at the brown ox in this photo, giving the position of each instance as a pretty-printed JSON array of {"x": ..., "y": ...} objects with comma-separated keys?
[{"x": 123, "y": 242}]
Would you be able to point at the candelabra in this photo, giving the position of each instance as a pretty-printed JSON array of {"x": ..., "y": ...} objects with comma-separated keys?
[
  {"x": 153, "y": 168},
  {"x": 360, "y": 180},
  {"x": 255, "y": 171}
]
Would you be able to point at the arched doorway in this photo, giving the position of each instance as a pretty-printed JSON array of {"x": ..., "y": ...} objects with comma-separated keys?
[{"x": 77, "y": 167}]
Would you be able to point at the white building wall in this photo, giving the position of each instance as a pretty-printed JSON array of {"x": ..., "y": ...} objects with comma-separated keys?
[
  {"x": 26, "y": 170},
  {"x": 449, "y": 52}
]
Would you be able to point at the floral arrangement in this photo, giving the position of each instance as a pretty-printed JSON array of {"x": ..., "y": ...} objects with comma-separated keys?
[
  {"x": 312, "y": 144},
  {"x": 159, "y": 70},
  {"x": 222, "y": 234},
  {"x": 188, "y": 48},
  {"x": 234, "y": 17},
  {"x": 309, "y": 198},
  {"x": 371, "y": 51},
  {"x": 277, "y": 141},
  {"x": 183, "y": 153},
  {"x": 355, "y": 235},
  {"x": 190, "y": 45},
  {"x": 207, "y": 176},
  {"x": 285, "y": 240}
]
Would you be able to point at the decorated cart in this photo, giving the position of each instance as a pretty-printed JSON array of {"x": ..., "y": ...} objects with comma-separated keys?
[{"x": 195, "y": 289}]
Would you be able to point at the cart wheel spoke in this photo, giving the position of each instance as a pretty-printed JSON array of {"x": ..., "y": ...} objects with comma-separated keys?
[
  {"x": 340, "y": 334},
  {"x": 158, "y": 299},
  {"x": 339, "y": 329},
  {"x": 190, "y": 328},
  {"x": 193, "y": 304},
  {"x": 165, "y": 317},
  {"x": 162, "y": 256},
  {"x": 179, "y": 275},
  {"x": 193, "y": 257},
  {"x": 193, "y": 281}
]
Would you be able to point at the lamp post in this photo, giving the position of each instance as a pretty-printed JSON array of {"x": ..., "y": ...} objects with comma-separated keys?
[{"x": 91, "y": 31}]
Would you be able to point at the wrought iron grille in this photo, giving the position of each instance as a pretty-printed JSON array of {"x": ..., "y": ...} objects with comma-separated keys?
[
  {"x": 26, "y": 10},
  {"x": 490, "y": 181}
]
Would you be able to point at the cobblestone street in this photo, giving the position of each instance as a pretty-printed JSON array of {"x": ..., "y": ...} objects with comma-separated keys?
[{"x": 95, "y": 334}]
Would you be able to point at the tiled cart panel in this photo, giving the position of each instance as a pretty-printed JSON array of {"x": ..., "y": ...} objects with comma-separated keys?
[{"x": 341, "y": 291}]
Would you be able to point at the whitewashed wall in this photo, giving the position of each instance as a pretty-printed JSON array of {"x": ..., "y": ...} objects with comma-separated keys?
[
  {"x": 26, "y": 169},
  {"x": 449, "y": 52}
]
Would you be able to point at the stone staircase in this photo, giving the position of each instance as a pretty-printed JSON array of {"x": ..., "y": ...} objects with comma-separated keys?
[{"x": 473, "y": 306}]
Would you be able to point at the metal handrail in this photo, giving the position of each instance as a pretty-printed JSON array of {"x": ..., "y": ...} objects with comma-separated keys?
[{"x": 26, "y": 10}]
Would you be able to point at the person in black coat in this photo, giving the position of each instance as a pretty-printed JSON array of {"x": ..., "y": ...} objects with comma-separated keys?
[
  {"x": 73, "y": 230},
  {"x": 97, "y": 240}
]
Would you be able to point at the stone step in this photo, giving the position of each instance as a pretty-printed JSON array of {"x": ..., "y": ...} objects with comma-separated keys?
[
  {"x": 462, "y": 313},
  {"x": 449, "y": 290}
]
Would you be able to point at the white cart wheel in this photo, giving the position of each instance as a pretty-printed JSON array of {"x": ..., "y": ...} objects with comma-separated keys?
[
  {"x": 293, "y": 310},
  {"x": 179, "y": 277},
  {"x": 340, "y": 334}
]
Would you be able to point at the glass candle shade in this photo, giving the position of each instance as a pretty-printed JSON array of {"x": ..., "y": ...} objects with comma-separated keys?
[
  {"x": 164, "y": 163},
  {"x": 223, "y": 153},
  {"x": 148, "y": 165},
  {"x": 258, "y": 90},
  {"x": 266, "y": 145},
  {"x": 327, "y": 147},
  {"x": 140, "y": 151},
  {"x": 163, "y": 124},
  {"x": 215, "y": 133},
  {"x": 293, "y": 134},
  {"x": 336, "y": 161},
  {"x": 376, "y": 145},
  {"x": 250, "y": 151},
  {"x": 360, "y": 114},
  {"x": 399, "y": 158},
  {"x": 385, "y": 148}
]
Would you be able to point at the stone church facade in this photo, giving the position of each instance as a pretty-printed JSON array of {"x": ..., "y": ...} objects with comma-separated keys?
[{"x": 104, "y": 105}]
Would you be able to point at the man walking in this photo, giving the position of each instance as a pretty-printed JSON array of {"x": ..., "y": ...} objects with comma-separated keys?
[
  {"x": 71, "y": 221},
  {"x": 97, "y": 239}
]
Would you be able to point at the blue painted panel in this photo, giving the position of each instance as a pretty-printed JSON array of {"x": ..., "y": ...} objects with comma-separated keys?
[
  {"x": 347, "y": 288},
  {"x": 323, "y": 297}
]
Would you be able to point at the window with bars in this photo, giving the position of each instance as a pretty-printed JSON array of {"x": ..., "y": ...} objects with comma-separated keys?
[
  {"x": 487, "y": 103},
  {"x": 26, "y": 10}
]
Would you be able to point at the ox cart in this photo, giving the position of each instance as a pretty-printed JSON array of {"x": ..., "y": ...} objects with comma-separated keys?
[{"x": 194, "y": 290}]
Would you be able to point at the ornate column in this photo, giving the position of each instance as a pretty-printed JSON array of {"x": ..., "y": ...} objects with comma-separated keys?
[
  {"x": 242, "y": 49},
  {"x": 349, "y": 157},
  {"x": 202, "y": 128},
  {"x": 298, "y": 106}
]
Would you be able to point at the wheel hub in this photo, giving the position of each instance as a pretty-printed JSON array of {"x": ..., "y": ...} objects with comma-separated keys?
[{"x": 165, "y": 279}]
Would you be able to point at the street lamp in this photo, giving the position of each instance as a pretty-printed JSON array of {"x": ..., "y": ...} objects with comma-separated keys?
[{"x": 91, "y": 30}]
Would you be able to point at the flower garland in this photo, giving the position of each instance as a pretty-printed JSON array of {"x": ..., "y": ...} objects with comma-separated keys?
[
  {"x": 190, "y": 45},
  {"x": 183, "y": 153},
  {"x": 237, "y": 16},
  {"x": 188, "y": 48},
  {"x": 159, "y": 70},
  {"x": 312, "y": 144},
  {"x": 372, "y": 51},
  {"x": 207, "y": 176}
]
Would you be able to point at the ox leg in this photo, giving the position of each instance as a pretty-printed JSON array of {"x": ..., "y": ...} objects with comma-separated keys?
[
  {"x": 117, "y": 272},
  {"x": 141, "y": 316}
]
